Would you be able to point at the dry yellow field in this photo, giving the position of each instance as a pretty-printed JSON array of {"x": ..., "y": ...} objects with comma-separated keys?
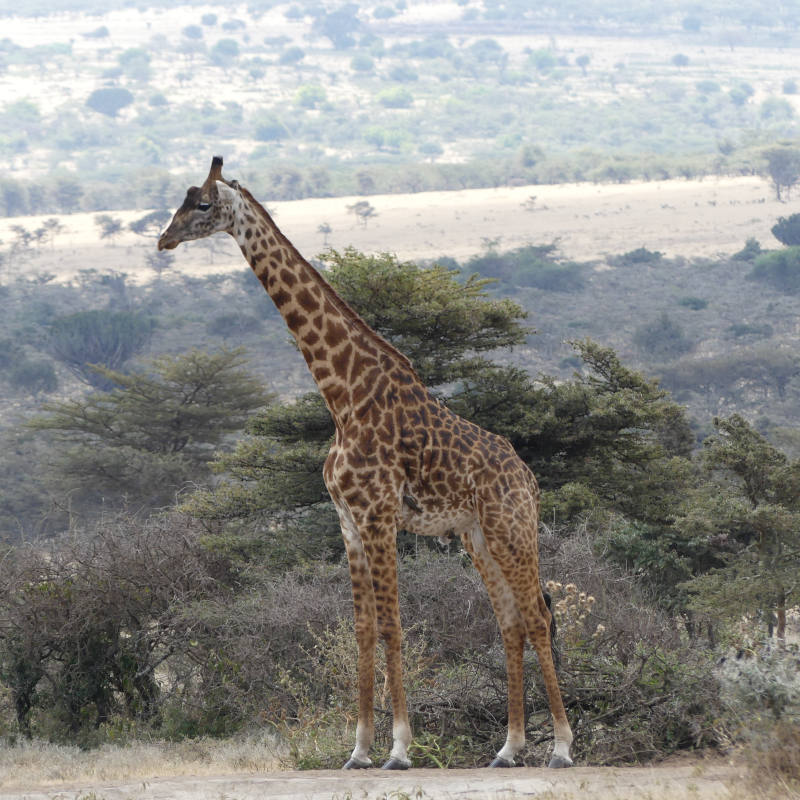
[{"x": 676, "y": 217}]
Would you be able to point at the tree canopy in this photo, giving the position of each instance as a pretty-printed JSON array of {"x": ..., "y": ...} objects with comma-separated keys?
[
  {"x": 105, "y": 338},
  {"x": 156, "y": 430},
  {"x": 752, "y": 506},
  {"x": 610, "y": 438},
  {"x": 431, "y": 315}
]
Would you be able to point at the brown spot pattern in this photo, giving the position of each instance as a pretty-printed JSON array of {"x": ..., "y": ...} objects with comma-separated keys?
[{"x": 394, "y": 440}]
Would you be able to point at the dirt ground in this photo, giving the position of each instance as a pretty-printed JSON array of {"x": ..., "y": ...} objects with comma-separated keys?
[
  {"x": 699, "y": 780},
  {"x": 676, "y": 217}
]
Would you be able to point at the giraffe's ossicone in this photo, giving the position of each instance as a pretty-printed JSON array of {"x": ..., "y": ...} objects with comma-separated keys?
[{"x": 400, "y": 460}]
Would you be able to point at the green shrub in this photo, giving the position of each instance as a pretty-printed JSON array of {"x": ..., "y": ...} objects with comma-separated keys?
[
  {"x": 361, "y": 62},
  {"x": 10, "y": 353},
  {"x": 310, "y": 96},
  {"x": 707, "y": 87},
  {"x": 402, "y": 73},
  {"x": 738, "y": 96},
  {"x": 135, "y": 63},
  {"x": 776, "y": 108},
  {"x": 107, "y": 338},
  {"x": 739, "y": 329},
  {"x": 292, "y": 55},
  {"x": 233, "y": 324},
  {"x": 431, "y": 149},
  {"x": 694, "y": 303},
  {"x": 487, "y": 50},
  {"x": 270, "y": 129},
  {"x": 751, "y": 249},
  {"x": 641, "y": 255},
  {"x": 224, "y": 51},
  {"x": 768, "y": 682},
  {"x": 779, "y": 269},
  {"x": 531, "y": 265},
  {"x": 543, "y": 60},
  {"x": 787, "y": 230},
  {"x": 109, "y": 101},
  {"x": 396, "y": 97},
  {"x": 662, "y": 338},
  {"x": 33, "y": 376}
]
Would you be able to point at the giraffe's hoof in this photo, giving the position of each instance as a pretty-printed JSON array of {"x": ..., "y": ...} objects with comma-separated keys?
[
  {"x": 559, "y": 762},
  {"x": 396, "y": 763},
  {"x": 501, "y": 762},
  {"x": 353, "y": 764}
]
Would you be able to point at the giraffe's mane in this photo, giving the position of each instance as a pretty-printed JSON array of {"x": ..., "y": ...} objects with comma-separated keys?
[{"x": 336, "y": 299}]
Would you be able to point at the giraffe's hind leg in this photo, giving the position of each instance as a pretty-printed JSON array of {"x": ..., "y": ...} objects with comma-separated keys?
[
  {"x": 512, "y": 629},
  {"x": 509, "y": 535}
]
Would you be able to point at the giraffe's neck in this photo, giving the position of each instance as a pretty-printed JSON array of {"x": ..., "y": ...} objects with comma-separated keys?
[{"x": 350, "y": 363}]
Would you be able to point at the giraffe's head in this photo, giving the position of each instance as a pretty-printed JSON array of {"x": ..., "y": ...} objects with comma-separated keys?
[{"x": 207, "y": 209}]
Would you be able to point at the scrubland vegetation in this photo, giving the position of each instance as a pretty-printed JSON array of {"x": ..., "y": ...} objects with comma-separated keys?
[
  {"x": 171, "y": 565},
  {"x": 145, "y": 597},
  {"x": 325, "y": 100}
]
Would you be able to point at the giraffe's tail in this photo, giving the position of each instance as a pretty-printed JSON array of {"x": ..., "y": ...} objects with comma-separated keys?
[{"x": 553, "y": 631}]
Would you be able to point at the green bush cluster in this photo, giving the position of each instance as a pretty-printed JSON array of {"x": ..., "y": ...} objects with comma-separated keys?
[
  {"x": 531, "y": 265},
  {"x": 780, "y": 269}
]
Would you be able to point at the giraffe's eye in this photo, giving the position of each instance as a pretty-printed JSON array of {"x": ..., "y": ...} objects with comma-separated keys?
[{"x": 203, "y": 206}]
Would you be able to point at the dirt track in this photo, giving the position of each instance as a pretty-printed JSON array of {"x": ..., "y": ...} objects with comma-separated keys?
[{"x": 700, "y": 781}]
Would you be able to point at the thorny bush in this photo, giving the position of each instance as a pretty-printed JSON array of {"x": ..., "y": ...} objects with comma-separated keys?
[{"x": 149, "y": 628}]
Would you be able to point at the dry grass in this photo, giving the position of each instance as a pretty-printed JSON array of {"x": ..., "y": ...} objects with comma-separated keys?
[
  {"x": 774, "y": 761},
  {"x": 675, "y": 217},
  {"x": 38, "y": 763}
]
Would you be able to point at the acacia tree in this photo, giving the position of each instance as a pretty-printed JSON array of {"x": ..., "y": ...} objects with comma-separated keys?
[
  {"x": 99, "y": 337},
  {"x": 442, "y": 322},
  {"x": 783, "y": 166},
  {"x": 151, "y": 224},
  {"x": 787, "y": 230},
  {"x": 109, "y": 100},
  {"x": 364, "y": 211},
  {"x": 753, "y": 507},
  {"x": 110, "y": 227},
  {"x": 610, "y": 438},
  {"x": 154, "y": 432}
]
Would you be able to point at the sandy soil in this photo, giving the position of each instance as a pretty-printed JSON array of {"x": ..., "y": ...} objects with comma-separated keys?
[
  {"x": 699, "y": 781},
  {"x": 677, "y": 217}
]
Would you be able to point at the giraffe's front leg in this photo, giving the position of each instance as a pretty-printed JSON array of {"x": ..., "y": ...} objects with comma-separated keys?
[
  {"x": 382, "y": 553},
  {"x": 366, "y": 630},
  {"x": 370, "y": 538},
  {"x": 366, "y": 637}
]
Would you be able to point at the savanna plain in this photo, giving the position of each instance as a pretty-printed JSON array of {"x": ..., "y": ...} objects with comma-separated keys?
[{"x": 582, "y": 223}]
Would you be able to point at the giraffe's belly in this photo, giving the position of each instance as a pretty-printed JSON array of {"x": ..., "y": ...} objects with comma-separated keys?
[{"x": 434, "y": 516}]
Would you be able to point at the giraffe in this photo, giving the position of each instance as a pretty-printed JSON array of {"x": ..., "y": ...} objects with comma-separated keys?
[{"x": 400, "y": 460}]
